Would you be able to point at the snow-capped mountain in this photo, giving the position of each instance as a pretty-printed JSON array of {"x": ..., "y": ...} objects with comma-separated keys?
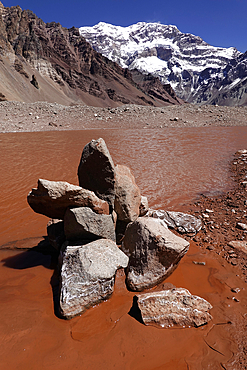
[{"x": 194, "y": 69}]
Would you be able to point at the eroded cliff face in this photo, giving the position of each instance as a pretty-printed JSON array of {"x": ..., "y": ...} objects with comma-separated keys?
[{"x": 66, "y": 67}]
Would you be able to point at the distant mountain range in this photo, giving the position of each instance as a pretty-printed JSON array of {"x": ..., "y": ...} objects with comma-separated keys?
[
  {"x": 46, "y": 62},
  {"x": 198, "y": 72}
]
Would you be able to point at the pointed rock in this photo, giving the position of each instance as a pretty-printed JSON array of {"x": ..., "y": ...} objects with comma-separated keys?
[
  {"x": 96, "y": 171},
  {"x": 128, "y": 196},
  {"x": 87, "y": 274},
  {"x": 153, "y": 250},
  {"x": 52, "y": 198}
]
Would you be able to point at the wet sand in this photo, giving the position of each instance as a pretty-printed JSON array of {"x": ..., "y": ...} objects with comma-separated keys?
[{"x": 107, "y": 336}]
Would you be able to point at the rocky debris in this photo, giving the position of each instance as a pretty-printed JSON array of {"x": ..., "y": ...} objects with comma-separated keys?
[
  {"x": 127, "y": 195},
  {"x": 34, "y": 82},
  {"x": 153, "y": 250},
  {"x": 182, "y": 222},
  {"x": 143, "y": 206},
  {"x": 88, "y": 274},
  {"x": 55, "y": 116},
  {"x": 223, "y": 231},
  {"x": 96, "y": 171},
  {"x": 84, "y": 224},
  {"x": 52, "y": 198},
  {"x": 55, "y": 233},
  {"x": 173, "y": 308}
]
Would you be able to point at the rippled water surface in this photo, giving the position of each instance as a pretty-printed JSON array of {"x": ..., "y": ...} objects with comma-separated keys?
[{"x": 171, "y": 166}]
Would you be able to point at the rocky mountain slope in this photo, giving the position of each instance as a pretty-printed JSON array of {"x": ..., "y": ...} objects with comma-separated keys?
[
  {"x": 47, "y": 62},
  {"x": 197, "y": 71}
]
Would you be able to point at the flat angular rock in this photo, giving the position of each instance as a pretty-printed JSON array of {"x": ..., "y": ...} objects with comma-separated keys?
[
  {"x": 153, "y": 250},
  {"x": 96, "y": 171},
  {"x": 127, "y": 195},
  {"x": 82, "y": 223},
  {"x": 88, "y": 274},
  {"x": 173, "y": 307},
  {"x": 182, "y": 222},
  {"x": 143, "y": 209},
  {"x": 52, "y": 198}
]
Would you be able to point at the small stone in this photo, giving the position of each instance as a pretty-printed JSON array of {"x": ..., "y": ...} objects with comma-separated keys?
[
  {"x": 209, "y": 210},
  {"x": 234, "y": 262},
  {"x": 143, "y": 209},
  {"x": 235, "y": 290},
  {"x": 239, "y": 245},
  {"x": 242, "y": 226}
]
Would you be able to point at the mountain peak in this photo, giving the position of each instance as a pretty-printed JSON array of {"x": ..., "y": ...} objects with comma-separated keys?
[{"x": 185, "y": 61}]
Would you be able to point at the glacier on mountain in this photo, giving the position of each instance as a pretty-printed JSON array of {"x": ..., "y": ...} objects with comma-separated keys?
[{"x": 184, "y": 60}]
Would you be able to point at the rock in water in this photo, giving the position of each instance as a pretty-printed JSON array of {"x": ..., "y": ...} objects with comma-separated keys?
[
  {"x": 87, "y": 274},
  {"x": 84, "y": 224},
  {"x": 153, "y": 250},
  {"x": 182, "y": 222},
  {"x": 127, "y": 195},
  {"x": 174, "y": 307},
  {"x": 52, "y": 198},
  {"x": 96, "y": 171}
]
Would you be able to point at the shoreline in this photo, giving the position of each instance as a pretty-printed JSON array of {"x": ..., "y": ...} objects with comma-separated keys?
[{"x": 43, "y": 116}]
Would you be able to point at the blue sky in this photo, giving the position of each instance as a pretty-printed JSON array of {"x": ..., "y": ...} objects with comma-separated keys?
[{"x": 218, "y": 22}]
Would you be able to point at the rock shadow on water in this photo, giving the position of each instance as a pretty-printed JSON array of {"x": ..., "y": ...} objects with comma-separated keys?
[
  {"x": 42, "y": 254},
  {"x": 135, "y": 311}
]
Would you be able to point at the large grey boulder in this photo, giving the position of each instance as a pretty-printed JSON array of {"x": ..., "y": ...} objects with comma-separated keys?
[
  {"x": 182, "y": 222},
  {"x": 87, "y": 274},
  {"x": 52, "y": 198},
  {"x": 153, "y": 250},
  {"x": 127, "y": 195},
  {"x": 96, "y": 171},
  {"x": 173, "y": 307},
  {"x": 82, "y": 223}
]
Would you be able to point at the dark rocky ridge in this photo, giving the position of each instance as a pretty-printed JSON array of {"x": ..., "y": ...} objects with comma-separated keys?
[{"x": 66, "y": 67}]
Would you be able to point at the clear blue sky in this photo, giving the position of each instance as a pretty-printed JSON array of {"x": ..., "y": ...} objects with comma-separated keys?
[{"x": 218, "y": 22}]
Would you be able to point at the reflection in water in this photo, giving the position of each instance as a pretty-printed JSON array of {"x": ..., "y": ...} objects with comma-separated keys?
[{"x": 171, "y": 166}]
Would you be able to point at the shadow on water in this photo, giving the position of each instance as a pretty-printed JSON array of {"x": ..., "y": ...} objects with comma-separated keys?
[
  {"x": 135, "y": 311},
  {"x": 42, "y": 254}
]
